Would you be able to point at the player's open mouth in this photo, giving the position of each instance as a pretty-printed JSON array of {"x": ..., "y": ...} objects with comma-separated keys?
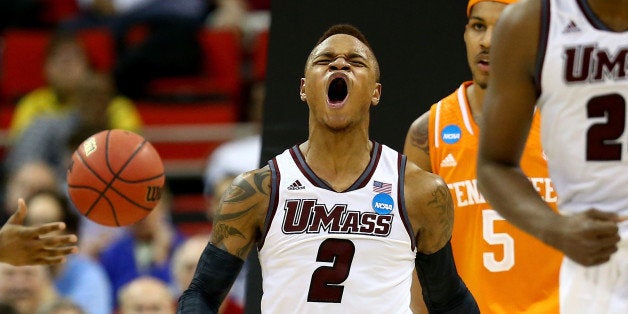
[
  {"x": 337, "y": 92},
  {"x": 484, "y": 65}
]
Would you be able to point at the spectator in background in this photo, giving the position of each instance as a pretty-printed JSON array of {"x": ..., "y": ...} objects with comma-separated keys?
[
  {"x": 24, "y": 180},
  {"x": 146, "y": 294},
  {"x": 145, "y": 249},
  {"x": 224, "y": 164},
  {"x": 169, "y": 46},
  {"x": 238, "y": 155},
  {"x": 27, "y": 288},
  {"x": 247, "y": 17},
  {"x": 61, "y": 306},
  {"x": 80, "y": 279},
  {"x": 7, "y": 308},
  {"x": 52, "y": 138},
  {"x": 21, "y": 245},
  {"x": 24, "y": 245},
  {"x": 184, "y": 263},
  {"x": 65, "y": 67}
]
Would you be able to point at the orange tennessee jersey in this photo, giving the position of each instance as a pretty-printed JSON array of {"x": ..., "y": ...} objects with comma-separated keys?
[{"x": 507, "y": 270}]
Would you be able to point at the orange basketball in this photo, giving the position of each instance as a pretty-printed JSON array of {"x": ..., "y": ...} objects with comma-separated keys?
[{"x": 115, "y": 177}]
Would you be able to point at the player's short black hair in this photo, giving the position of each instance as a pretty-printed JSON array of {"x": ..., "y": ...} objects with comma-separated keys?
[
  {"x": 347, "y": 29},
  {"x": 350, "y": 30}
]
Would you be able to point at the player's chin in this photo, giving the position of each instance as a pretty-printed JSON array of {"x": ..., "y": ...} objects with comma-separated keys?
[{"x": 481, "y": 81}]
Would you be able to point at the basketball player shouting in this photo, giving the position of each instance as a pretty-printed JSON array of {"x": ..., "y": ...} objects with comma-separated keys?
[{"x": 338, "y": 219}]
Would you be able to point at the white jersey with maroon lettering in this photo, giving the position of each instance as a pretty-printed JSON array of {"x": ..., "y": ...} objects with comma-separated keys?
[
  {"x": 584, "y": 91},
  {"x": 584, "y": 94},
  {"x": 337, "y": 252}
]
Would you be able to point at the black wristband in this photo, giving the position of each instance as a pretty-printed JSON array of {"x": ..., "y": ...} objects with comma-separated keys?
[
  {"x": 215, "y": 273},
  {"x": 443, "y": 289}
]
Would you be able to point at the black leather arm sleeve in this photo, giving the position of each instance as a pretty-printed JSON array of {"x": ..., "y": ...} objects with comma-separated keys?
[
  {"x": 215, "y": 273},
  {"x": 443, "y": 289}
]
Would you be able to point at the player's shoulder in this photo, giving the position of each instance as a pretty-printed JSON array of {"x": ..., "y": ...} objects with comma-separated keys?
[
  {"x": 257, "y": 179},
  {"x": 420, "y": 184},
  {"x": 248, "y": 195},
  {"x": 522, "y": 13},
  {"x": 429, "y": 207},
  {"x": 421, "y": 124}
]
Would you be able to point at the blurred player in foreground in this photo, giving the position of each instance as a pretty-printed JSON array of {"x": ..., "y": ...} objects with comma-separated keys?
[
  {"x": 567, "y": 58},
  {"x": 491, "y": 254}
]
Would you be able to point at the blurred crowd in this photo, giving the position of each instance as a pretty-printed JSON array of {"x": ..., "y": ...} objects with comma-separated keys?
[{"x": 147, "y": 265}]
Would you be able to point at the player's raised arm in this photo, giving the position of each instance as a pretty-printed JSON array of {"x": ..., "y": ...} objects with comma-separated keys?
[
  {"x": 21, "y": 245},
  {"x": 430, "y": 209},
  {"x": 237, "y": 225}
]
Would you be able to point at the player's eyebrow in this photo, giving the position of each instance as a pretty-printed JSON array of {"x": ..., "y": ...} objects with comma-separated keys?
[
  {"x": 473, "y": 17},
  {"x": 331, "y": 55}
]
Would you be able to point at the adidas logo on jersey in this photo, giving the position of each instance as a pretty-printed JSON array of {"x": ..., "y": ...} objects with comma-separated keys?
[
  {"x": 448, "y": 161},
  {"x": 296, "y": 185},
  {"x": 571, "y": 28}
]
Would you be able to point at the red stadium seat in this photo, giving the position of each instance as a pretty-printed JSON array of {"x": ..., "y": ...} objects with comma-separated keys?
[
  {"x": 185, "y": 134},
  {"x": 22, "y": 61},
  {"x": 221, "y": 77},
  {"x": 99, "y": 44},
  {"x": 260, "y": 56},
  {"x": 55, "y": 11}
]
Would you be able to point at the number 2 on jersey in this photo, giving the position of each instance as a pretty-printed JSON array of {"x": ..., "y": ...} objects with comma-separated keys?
[
  {"x": 602, "y": 138},
  {"x": 325, "y": 284}
]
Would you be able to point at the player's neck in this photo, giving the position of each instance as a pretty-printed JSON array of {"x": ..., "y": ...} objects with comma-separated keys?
[
  {"x": 475, "y": 96},
  {"x": 613, "y": 13},
  {"x": 337, "y": 161}
]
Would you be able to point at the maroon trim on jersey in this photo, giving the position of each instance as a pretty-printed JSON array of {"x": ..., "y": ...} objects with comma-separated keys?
[
  {"x": 542, "y": 46},
  {"x": 401, "y": 166},
  {"x": 275, "y": 179},
  {"x": 299, "y": 160},
  {"x": 309, "y": 174},
  {"x": 361, "y": 182},
  {"x": 592, "y": 18}
]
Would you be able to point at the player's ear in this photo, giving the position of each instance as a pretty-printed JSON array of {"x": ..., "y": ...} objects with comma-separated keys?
[
  {"x": 377, "y": 93},
  {"x": 302, "y": 89}
]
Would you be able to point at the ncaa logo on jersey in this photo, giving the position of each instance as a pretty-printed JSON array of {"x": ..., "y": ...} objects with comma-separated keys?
[
  {"x": 383, "y": 203},
  {"x": 451, "y": 134}
]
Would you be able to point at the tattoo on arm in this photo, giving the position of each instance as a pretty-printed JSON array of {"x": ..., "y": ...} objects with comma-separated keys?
[
  {"x": 259, "y": 179},
  {"x": 222, "y": 231},
  {"x": 419, "y": 136},
  {"x": 442, "y": 204},
  {"x": 228, "y": 223}
]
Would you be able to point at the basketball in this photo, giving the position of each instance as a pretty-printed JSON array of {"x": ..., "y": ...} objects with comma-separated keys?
[{"x": 115, "y": 178}]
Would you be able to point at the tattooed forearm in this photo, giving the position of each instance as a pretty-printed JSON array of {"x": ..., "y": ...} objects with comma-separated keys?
[
  {"x": 239, "y": 214},
  {"x": 222, "y": 231},
  {"x": 244, "y": 251}
]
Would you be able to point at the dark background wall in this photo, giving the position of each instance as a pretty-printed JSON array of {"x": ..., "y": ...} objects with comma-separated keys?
[{"x": 421, "y": 53}]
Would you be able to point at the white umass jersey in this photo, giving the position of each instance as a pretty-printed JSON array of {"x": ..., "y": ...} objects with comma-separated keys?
[
  {"x": 584, "y": 91},
  {"x": 337, "y": 252}
]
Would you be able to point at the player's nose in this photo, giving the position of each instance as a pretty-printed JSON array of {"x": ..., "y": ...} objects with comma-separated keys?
[{"x": 339, "y": 63}]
